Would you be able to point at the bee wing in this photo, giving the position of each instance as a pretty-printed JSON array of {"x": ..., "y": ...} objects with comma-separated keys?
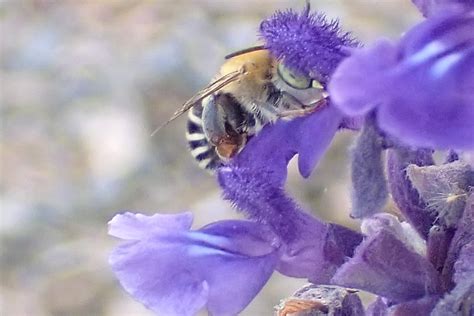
[{"x": 210, "y": 89}]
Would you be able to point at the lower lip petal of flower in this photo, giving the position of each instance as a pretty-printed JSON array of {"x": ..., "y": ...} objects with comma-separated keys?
[{"x": 175, "y": 271}]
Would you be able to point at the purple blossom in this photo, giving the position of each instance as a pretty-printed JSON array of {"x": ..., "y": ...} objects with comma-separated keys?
[
  {"x": 384, "y": 265},
  {"x": 411, "y": 274},
  {"x": 177, "y": 271},
  {"x": 422, "y": 88},
  {"x": 419, "y": 265},
  {"x": 281, "y": 237}
]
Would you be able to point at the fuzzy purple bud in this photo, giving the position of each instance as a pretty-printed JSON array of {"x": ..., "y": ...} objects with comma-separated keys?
[
  {"x": 383, "y": 265},
  {"x": 369, "y": 186},
  {"x": 306, "y": 42}
]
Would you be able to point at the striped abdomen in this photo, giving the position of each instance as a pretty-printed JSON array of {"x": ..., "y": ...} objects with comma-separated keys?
[
  {"x": 223, "y": 112},
  {"x": 203, "y": 151}
]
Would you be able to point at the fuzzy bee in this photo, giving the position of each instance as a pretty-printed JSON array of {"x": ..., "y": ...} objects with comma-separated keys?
[{"x": 251, "y": 89}]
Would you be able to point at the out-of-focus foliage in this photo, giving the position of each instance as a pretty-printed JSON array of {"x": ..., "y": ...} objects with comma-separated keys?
[{"x": 82, "y": 85}]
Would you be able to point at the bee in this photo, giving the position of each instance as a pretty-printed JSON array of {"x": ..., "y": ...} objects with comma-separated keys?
[{"x": 251, "y": 89}]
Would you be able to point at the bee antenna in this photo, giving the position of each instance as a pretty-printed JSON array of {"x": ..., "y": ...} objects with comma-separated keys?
[
  {"x": 245, "y": 51},
  {"x": 158, "y": 128}
]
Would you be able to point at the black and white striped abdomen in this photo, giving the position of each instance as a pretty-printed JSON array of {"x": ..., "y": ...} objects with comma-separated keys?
[{"x": 200, "y": 148}]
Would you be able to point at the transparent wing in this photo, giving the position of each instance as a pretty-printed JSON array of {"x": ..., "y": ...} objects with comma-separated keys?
[{"x": 211, "y": 88}]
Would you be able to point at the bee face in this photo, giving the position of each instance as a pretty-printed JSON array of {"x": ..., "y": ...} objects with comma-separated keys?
[{"x": 251, "y": 89}]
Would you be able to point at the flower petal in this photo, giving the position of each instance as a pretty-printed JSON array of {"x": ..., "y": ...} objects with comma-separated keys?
[
  {"x": 254, "y": 183},
  {"x": 423, "y": 88},
  {"x": 178, "y": 272},
  {"x": 437, "y": 59},
  {"x": 132, "y": 226},
  {"x": 351, "y": 89},
  {"x": 314, "y": 136},
  {"x": 384, "y": 266},
  {"x": 309, "y": 136},
  {"x": 236, "y": 236}
]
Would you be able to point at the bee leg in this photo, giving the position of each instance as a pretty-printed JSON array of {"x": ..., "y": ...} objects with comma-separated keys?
[
  {"x": 213, "y": 120},
  {"x": 304, "y": 111},
  {"x": 221, "y": 120}
]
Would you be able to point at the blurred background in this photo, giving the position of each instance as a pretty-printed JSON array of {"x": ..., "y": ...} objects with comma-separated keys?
[{"x": 83, "y": 84}]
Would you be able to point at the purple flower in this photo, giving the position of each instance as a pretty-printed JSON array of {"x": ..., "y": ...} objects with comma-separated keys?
[
  {"x": 385, "y": 265},
  {"x": 414, "y": 97},
  {"x": 172, "y": 269},
  {"x": 177, "y": 271},
  {"x": 422, "y": 88},
  {"x": 412, "y": 272}
]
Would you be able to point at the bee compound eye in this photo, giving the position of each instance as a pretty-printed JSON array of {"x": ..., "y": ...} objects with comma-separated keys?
[{"x": 292, "y": 79}]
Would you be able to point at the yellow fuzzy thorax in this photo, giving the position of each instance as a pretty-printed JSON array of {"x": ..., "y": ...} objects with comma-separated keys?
[{"x": 258, "y": 68}]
